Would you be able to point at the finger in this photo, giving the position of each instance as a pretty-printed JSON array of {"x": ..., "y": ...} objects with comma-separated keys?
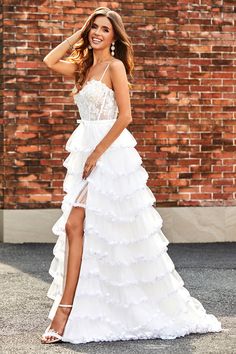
[
  {"x": 87, "y": 171},
  {"x": 86, "y": 174}
]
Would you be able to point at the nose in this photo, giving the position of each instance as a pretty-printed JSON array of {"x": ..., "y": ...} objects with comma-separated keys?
[{"x": 97, "y": 30}]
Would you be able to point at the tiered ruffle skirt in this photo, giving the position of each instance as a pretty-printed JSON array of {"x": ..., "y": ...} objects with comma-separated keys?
[{"x": 128, "y": 286}]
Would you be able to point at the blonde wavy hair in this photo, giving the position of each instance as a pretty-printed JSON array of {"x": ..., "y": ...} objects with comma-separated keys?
[{"x": 83, "y": 57}]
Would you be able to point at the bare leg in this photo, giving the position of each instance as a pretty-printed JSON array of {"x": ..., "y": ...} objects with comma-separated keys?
[
  {"x": 74, "y": 230},
  {"x": 75, "y": 233}
]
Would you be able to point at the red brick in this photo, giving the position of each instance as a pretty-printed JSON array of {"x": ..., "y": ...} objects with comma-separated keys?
[{"x": 183, "y": 100}]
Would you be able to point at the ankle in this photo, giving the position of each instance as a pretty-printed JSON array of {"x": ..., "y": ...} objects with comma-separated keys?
[
  {"x": 66, "y": 301},
  {"x": 62, "y": 304},
  {"x": 64, "y": 310}
]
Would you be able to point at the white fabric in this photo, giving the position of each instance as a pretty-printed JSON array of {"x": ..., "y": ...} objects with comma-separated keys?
[{"x": 128, "y": 286}]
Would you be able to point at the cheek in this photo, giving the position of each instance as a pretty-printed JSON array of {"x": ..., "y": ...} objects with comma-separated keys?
[{"x": 108, "y": 37}]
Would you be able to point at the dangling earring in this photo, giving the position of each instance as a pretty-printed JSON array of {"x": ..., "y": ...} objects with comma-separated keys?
[
  {"x": 89, "y": 46},
  {"x": 113, "y": 49}
]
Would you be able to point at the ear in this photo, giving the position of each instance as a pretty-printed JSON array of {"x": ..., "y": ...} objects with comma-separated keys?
[{"x": 114, "y": 39}]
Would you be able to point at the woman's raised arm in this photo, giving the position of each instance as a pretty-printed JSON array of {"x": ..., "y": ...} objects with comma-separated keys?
[{"x": 53, "y": 58}]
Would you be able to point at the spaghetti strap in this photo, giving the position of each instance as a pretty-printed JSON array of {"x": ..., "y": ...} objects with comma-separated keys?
[{"x": 104, "y": 72}]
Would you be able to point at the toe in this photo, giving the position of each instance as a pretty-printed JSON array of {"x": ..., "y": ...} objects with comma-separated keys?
[
  {"x": 51, "y": 338},
  {"x": 46, "y": 339}
]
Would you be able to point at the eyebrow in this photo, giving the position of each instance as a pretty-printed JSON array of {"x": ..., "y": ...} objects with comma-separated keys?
[{"x": 102, "y": 26}]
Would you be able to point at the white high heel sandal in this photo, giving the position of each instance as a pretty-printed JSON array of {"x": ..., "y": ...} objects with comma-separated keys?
[{"x": 50, "y": 332}]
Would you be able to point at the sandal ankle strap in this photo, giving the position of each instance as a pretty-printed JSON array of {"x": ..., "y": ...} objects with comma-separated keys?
[{"x": 61, "y": 305}]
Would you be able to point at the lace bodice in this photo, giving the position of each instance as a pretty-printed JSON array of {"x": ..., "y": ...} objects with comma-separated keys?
[{"x": 96, "y": 101}]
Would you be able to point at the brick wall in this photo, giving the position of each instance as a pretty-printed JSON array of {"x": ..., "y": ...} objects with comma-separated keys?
[
  {"x": 2, "y": 174},
  {"x": 183, "y": 100}
]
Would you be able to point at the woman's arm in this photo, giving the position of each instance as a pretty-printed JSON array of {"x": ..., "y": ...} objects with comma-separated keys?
[
  {"x": 53, "y": 58},
  {"x": 121, "y": 88}
]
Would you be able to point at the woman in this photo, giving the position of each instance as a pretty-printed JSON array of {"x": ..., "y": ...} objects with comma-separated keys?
[{"x": 113, "y": 278}]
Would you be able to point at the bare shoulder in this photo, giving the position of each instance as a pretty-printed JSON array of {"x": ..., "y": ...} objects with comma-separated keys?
[
  {"x": 118, "y": 74},
  {"x": 117, "y": 67}
]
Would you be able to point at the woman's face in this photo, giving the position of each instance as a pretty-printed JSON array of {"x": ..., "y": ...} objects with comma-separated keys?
[{"x": 101, "y": 30}]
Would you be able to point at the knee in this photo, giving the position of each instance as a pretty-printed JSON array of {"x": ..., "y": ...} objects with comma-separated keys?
[
  {"x": 74, "y": 226},
  {"x": 69, "y": 227}
]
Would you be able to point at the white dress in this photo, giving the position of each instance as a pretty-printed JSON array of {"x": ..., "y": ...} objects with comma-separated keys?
[{"x": 128, "y": 286}]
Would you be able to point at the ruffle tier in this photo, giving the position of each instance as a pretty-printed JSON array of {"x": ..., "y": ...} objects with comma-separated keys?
[
  {"x": 89, "y": 133},
  {"x": 128, "y": 286}
]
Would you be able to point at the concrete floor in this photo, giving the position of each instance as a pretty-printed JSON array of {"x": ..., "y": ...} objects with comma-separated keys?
[{"x": 207, "y": 269}]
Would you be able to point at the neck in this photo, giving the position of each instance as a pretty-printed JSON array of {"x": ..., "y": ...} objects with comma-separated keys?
[{"x": 101, "y": 56}]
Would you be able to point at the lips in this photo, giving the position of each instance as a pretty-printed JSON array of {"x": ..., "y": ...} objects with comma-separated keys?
[{"x": 96, "y": 40}]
